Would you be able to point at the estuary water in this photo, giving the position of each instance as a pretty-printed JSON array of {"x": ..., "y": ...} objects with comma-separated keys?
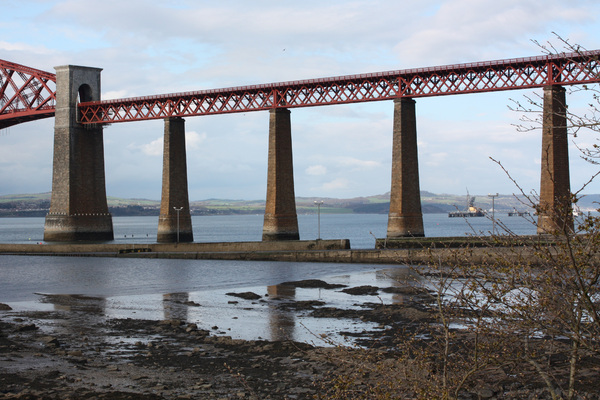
[
  {"x": 361, "y": 229},
  {"x": 196, "y": 290}
]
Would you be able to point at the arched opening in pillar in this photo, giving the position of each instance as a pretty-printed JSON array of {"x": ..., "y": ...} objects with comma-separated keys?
[{"x": 84, "y": 93}]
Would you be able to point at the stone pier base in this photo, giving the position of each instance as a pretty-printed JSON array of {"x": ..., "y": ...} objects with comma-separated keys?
[
  {"x": 74, "y": 228},
  {"x": 167, "y": 229}
]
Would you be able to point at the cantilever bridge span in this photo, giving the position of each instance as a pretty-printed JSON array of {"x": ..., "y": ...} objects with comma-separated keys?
[
  {"x": 79, "y": 210},
  {"x": 35, "y": 94},
  {"x": 518, "y": 73},
  {"x": 26, "y": 94}
]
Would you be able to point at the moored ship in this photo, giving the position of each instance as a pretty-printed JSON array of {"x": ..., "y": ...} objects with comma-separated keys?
[
  {"x": 471, "y": 210},
  {"x": 516, "y": 213}
]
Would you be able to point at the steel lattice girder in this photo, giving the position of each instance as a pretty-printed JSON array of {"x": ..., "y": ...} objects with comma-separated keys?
[
  {"x": 26, "y": 94},
  {"x": 520, "y": 73}
]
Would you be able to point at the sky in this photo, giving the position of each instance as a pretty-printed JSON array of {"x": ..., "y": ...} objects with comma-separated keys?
[{"x": 150, "y": 47}]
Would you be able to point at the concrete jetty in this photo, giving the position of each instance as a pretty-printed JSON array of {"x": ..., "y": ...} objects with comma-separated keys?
[{"x": 408, "y": 251}]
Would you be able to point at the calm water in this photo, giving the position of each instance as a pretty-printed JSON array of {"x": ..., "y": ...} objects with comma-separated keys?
[
  {"x": 157, "y": 289},
  {"x": 361, "y": 229}
]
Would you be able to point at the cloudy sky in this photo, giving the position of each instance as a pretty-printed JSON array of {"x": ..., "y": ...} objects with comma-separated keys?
[{"x": 151, "y": 47}]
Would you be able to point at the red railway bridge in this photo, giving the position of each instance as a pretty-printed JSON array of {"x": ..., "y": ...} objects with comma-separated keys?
[{"x": 79, "y": 208}]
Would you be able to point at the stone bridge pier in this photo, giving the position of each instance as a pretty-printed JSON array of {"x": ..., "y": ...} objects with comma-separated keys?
[
  {"x": 78, "y": 207},
  {"x": 281, "y": 220},
  {"x": 405, "y": 218},
  {"x": 555, "y": 213},
  {"x": 175, "y": 220}
]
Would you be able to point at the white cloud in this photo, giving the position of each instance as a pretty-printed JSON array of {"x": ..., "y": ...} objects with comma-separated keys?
[
  {"x": 354, "y": 163},
  {"x": 193, "y": 140},
  {"x": 115, "y": 94},
  {"x": 316, "y": 170},
  {"x": 465, "y": 30},
  {"x": 335, "y": 184},
  {"x": 22, "y": 47},
  {"x": 154, "y": 148},
  {"x": 435, "y": 159}
]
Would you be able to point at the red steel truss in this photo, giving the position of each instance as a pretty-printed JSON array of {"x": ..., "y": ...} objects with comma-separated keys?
[
  {"x": 518, "y": 73},
  {"x": 26, "y": 94}
]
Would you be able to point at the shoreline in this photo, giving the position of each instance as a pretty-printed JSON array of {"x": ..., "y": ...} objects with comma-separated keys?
[
  {"x": 396, "y": 251},
  {"x": 71, "y": 353}
]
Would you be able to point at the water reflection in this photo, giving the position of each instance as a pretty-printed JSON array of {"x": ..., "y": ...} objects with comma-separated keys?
[
  {"x": 399, "y": 282},
  {"x": 74, "y": 302},
  {"x": 282, "y": 323},
  {"x": 82, "y": 313},
  {"x": 284, "y": 314},
  {"x": 175, "y": 306}
]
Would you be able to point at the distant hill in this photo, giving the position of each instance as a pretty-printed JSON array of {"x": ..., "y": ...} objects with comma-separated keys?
[
  {"x": 37, "y": 205},
  {"x": 589, "y": 202}
]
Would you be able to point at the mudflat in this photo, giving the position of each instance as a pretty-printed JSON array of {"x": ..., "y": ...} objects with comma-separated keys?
[
  {"x": 84, "y": 357},
  {"x": 148, "y": 359}
]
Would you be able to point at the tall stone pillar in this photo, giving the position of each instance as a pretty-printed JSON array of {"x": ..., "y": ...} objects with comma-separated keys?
[
  {"x": 175, "y": 218},
  {"x": 405, "y": 217},
  {"x": 555, "y": 210},
  {"x": 78, "y": 207},
  {"x": 281, "y": 220}
]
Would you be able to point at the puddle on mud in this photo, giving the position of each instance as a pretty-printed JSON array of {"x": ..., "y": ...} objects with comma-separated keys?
[{"x": 281, "y": 313}]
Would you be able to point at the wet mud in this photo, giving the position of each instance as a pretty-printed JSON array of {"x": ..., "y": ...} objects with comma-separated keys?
[{"x": 81, "y": 355}]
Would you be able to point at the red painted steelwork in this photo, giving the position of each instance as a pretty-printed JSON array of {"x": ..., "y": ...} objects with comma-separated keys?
[
  {"x": 26, "y": 94},
  {"x": 518, "y": 73}
]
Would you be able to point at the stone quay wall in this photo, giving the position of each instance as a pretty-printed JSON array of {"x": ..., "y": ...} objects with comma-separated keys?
[{"x": 333, "y": 251}]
